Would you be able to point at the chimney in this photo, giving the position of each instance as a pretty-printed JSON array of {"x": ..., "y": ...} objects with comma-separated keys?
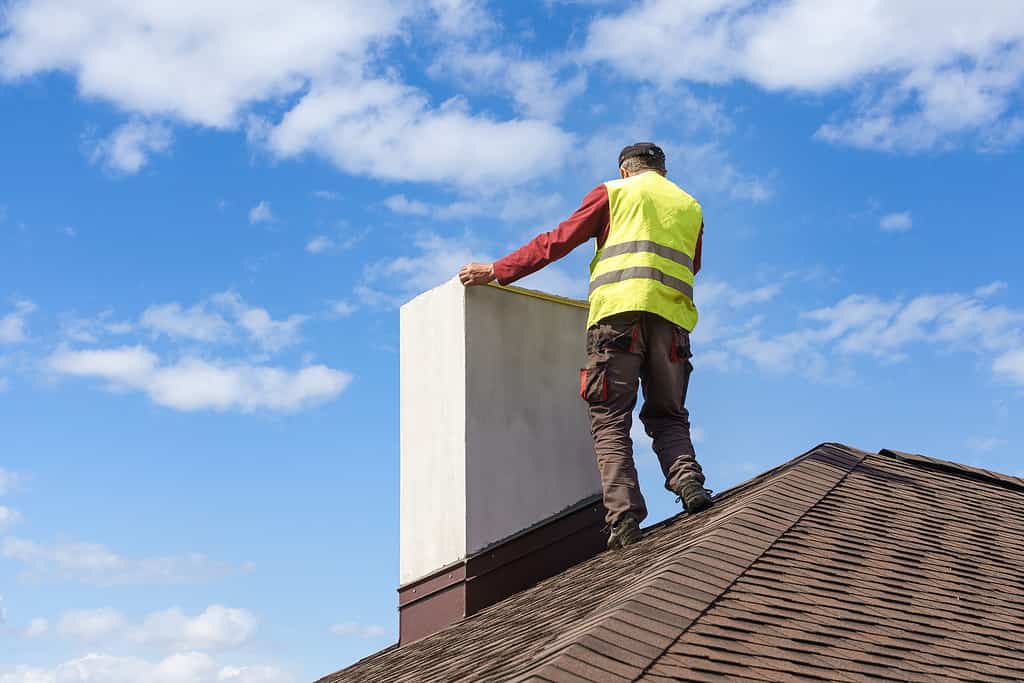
[{"x": 499, "y": 487}]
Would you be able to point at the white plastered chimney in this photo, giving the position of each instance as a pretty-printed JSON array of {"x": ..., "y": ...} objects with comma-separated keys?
[{"x": 494, "y": 437}]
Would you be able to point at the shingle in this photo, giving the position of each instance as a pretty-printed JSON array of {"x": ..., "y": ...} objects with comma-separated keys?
[{"x": 839, "y": 566}]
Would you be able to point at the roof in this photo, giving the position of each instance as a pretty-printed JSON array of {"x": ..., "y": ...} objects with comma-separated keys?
[{"x": 839, "y": 565}]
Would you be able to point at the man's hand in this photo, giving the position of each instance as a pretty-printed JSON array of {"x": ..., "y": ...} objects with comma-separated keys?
[{"x": 476, "y": 274}]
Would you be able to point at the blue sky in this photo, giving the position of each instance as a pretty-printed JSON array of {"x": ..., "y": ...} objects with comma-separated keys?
[{"x": 209, "y": 215}]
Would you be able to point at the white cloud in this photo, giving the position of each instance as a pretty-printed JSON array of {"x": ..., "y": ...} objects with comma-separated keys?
[
  {"x": 91, "y": 626},
  {"x": 896, "y": 222},
  {"x": 187, "y": 667},
  {"x": 461, "y": 17},
  {"x": 129, "y": 147},
  {"x": 399, "y": 203},
  {"x": 384, "y": 129},
  {"x": 958, "y": 75},
  {"x": 509, "y": 207},
  {"x": 390, "y": 282},
  {"x": 272, "y": 335},
  {"x": 182, "y": 63},
  {"x": 13, "y": 325},
  {"x": 533, "y": 84},
  {"x": 195, "y": 323},
  {"x": 319, "y": 244},
  {"x": 343, "y": 309},
  {"x": 327, "y": 195},
  {"x": 322, "y": 243},
  {"x": 372, "y": 297},
  {"x": 868, "y": 326},
  {"x": 261, "y": 213},
  {"x": 984, "y": 444},
  {"x": 365, "y": 632},
  {"x": 436, "y": 260},
  {"x": 990, "y": 289},
  {"x": 94, "y": 564},
  {"x": 199, "y": 323},
  {"x": 202, "y": 63},
  {"x": 69, "y": 231},
  {"x": 1010, "y": 365},
  {"x": 216, "y": 628},
  {"x": 37, "y": 628},
  {"x": 196, "y": 384},
  {"x": 8, "y": 518},
  {"x": 8, "y": 481},
  {"x": 89, "y": 330}
]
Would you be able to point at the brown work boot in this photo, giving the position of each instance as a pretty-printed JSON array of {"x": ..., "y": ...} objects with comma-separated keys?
[
  {"x": 693, "y": 496},
  {"x": 624, "y": 532}
]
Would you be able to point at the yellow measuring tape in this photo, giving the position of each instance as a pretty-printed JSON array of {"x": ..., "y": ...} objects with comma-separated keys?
[{"x": 554, "y": 298}]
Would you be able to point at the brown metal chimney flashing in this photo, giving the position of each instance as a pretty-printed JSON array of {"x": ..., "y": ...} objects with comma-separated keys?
[{"x": 460, "y": 590}]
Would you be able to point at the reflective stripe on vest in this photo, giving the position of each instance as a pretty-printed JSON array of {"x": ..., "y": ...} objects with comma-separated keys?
[
  {"x": 642, "y": 272},
  {"x": 646, "y": 263},
  {"x": 637, "y": 246}
]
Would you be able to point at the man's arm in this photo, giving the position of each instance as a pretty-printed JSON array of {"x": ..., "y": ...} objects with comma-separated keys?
[{"x": 589, "y": 220}]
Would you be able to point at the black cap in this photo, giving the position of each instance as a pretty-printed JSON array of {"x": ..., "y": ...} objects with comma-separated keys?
[{"x": 643, "y": 149}]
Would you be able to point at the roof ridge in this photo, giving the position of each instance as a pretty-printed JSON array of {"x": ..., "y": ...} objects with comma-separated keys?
[
  {"x": 950, "y": 466},
  {"x": 757, "y": 480},
  {"x": 788, "y": 493}
]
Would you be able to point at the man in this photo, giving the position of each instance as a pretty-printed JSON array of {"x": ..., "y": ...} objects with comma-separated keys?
[{"x": 649, "y": 234}]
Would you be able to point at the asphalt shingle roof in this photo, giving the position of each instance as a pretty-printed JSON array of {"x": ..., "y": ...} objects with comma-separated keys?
[{"x": 840, "y": 565}]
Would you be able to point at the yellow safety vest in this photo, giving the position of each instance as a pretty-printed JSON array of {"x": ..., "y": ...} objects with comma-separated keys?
[{"x": 646, "y": 264}]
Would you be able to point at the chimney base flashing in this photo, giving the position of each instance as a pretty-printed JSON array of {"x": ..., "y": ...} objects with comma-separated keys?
[{"x": 459, "y": 590}]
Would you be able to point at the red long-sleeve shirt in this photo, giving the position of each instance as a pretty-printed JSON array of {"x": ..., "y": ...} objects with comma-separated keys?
[{"x": 591, "y": 220}]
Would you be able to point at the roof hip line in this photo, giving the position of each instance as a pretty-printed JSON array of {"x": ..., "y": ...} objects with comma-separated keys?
[
  {"x": 779, "y": 502},
  {"x": 771, "y": 545}
]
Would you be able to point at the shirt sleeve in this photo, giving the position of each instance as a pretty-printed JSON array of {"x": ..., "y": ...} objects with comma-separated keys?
[
  {"x": 588, "y": 221},
  {"x": 697, "y": 251}
]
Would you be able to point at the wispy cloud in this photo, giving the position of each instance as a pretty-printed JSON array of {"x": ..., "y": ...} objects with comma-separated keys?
[
  {"x": 192, "y": 383},
  {"x": 984, "y": 444},
  {"x": 885, "y": 330},
  {"x": 8, "y": 481},
  {"x": 216, "y": 628},
  {"x": 195, "y": 323},
  {"x": 990, "y": 289},
  {"x": 13, "y": 326},
  {"x": 322, "y": 244},
  {"x": 896, "y": 222},
  {"x": 91, "y": 626},
  {"x": 194, "y": 667},
  {"x": 37, "y": 628},
  {"x": 8, "y": 518},
  {"x": 95, "y": 564},
  {"x": 261, "y": 213},
  {"x": 130, "y": 146},
  {"x": 950, "y": 84},
  {"x": 223, "y": 318}
]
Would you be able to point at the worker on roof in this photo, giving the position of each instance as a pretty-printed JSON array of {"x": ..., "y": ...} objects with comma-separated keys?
[{"x": 648, "y": 232}]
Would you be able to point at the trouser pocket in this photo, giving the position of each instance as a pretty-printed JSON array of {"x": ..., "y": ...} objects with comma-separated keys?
[
  {"x": 594, "y": 383},
  {"x": 679, "y": 351},
  {"x": 619, "y": 336}
]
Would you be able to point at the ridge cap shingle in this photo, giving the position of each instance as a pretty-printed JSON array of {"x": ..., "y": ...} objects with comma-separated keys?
[{"x": 954, "y": 467}]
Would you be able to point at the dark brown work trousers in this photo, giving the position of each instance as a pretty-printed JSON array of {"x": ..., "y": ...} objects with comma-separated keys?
[{"x": 625, "y": 350}]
